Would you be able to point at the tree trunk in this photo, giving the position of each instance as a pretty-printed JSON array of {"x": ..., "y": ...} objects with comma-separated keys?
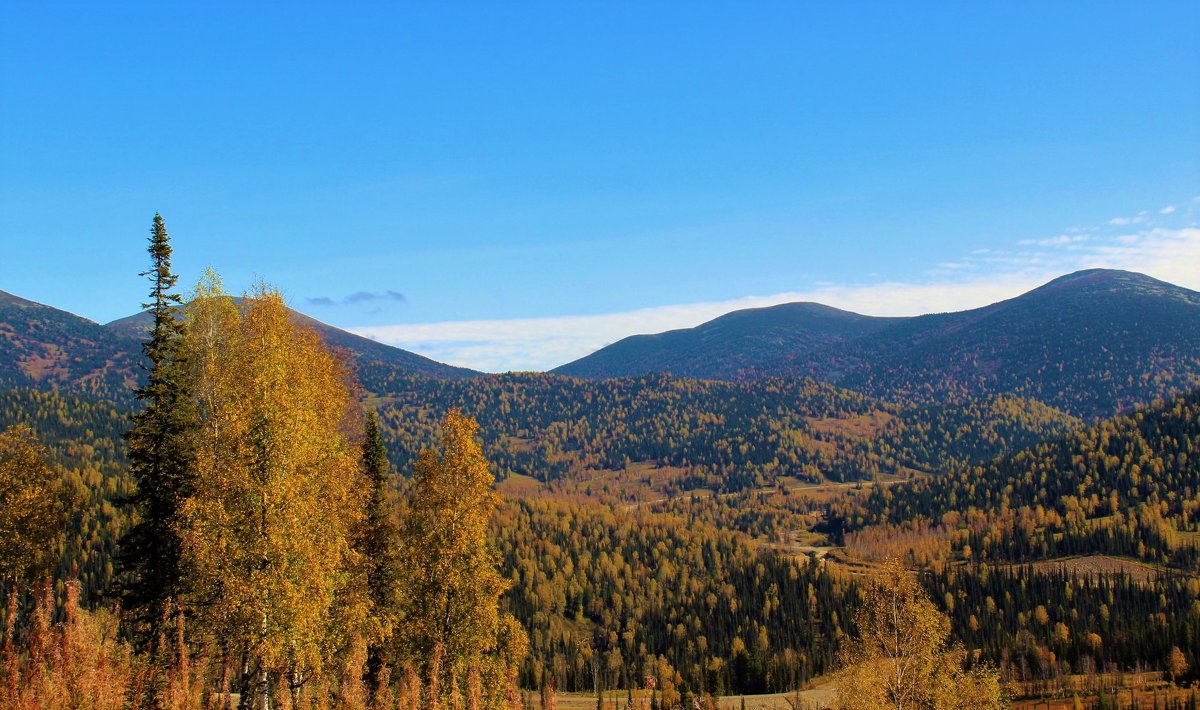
[{"x": 263, "y": 680}]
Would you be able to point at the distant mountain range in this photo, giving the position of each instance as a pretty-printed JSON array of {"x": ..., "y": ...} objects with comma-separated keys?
[
  {"x": 47, "y": 348},
  {"x": 1091, "y": 343}
]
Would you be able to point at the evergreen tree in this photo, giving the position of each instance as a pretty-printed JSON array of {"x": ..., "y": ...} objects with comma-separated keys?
[
  {"x": 378, "y": 548},
  {"x": 161, "y": 452}
]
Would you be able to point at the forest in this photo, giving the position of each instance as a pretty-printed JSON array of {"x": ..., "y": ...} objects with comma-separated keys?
[{"x": 262, "y": 521}]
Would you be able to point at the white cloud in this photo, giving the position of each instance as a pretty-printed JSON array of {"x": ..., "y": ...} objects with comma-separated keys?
[
  {"x": 542, "y": 343},
  {"x": 1169, "y": 209},
  {"x": 1060, "y": 240}
]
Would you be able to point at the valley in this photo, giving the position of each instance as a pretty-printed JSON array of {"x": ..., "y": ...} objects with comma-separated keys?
[{"x": 716, "y": 534}]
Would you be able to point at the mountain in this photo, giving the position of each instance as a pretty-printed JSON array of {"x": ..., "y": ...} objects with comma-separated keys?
[
  {"x": 369, "y": 356},
  {"x": 49, "y": 349},
  {"x": 1091, "y": 343},
  {"x": 731, "y": 346},
  {"x": 46, "y": 348}
]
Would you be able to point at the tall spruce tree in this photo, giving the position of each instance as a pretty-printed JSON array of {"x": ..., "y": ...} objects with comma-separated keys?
[
  {"x": 161, "y": 454},
  {"x": 378, "y": 547}
]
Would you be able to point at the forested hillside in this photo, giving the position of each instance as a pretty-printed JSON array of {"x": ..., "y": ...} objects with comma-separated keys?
[
  {"x": 1092, "y": 343},
  {"x": 1076, "y": 556},
  {"x": 663, "y": 594},
  {"x": 46, "y": 348},
  {"x": 721, "y": 435},
  {"x": 735, "y": 345},
  {"x": 83, "y": 441},
  {"x": 1127, "y": 486},
  {"x": 372, "y": 359}
]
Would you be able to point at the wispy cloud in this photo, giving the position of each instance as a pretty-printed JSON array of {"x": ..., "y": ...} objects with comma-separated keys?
[
  {"x": 358, "y": 297},
  {"x": 1139, "y": 218},
  {"x": 1058, "y": 241},
  {"x": 977, "y": 279}
]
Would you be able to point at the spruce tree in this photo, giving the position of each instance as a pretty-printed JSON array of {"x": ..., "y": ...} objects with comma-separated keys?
[
  {"x": 378, "y": 548},
  {"x": 161, "y": 452}
]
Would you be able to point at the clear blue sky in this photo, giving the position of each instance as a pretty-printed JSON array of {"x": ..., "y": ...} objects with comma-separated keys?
[{"x": 531, "y": 160}]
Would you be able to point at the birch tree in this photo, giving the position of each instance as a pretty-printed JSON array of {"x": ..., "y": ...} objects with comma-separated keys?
[
  {"x": 451, "y": 584},
  {"x": 269, "y": 533},
  {"x": 900, "y": 658},
  {"x": 32, "y": 510}
]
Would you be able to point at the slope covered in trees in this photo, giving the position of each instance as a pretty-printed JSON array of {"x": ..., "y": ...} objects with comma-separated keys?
[
  {"x": 1126, "y": 486},
  {"x": 82, "y": 439},
  {"x": 721, "y": 435},
  {"x": 611, "y": 599},
  {"x": 732, "y": 346},
  {"x": 46, "y": 348},
  {"x": 372, "y": 360},
  {"x": 1046, "y": 625}
]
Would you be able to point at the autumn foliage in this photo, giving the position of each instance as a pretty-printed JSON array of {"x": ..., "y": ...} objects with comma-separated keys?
[{"x": 900, "y": 658}]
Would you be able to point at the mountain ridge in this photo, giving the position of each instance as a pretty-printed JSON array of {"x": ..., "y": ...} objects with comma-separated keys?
[
  {"x": 47, "y": 348},
  {"x": 365, "y": 352},
  {"x": 776, "y": 327},
  {"x": 1116, "y": 338}
]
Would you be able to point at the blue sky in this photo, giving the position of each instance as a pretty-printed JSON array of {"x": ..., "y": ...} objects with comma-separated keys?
[{"x": 539, "y": 179}]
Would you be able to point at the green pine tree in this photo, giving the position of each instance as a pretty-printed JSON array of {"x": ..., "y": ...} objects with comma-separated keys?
[
  {"x": 161, "y": 447},
  {"x": 379, "y": 545}
]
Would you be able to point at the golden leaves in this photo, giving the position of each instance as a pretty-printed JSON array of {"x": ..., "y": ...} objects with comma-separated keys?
[
  {"x": 32, "y": 508},
  {"x": 278, "y": 496}
]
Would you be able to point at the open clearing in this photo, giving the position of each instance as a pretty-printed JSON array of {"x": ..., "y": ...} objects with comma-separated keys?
[
  {"x": 819, "y": 696},
  {"x": 1095, "y": 564}
]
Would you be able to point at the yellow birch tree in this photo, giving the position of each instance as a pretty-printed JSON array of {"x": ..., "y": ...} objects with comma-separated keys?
[
  {"x": 32, "y": 509},
  {"x": 450, "y": 582},
  {"x": 900, "y": 657},
  {"x": 268, "y": 534}
]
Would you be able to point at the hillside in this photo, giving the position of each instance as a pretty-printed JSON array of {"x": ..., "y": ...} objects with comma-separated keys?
[
  {"x": 1125, "y": 486},
  {"x": 670, "y": 434},
  {"x": 732, "y": 346},
  {"x": 372, "y": 359},
  {"x": 49, "y": 349},
  {"x": 1092, "y": 344}
]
